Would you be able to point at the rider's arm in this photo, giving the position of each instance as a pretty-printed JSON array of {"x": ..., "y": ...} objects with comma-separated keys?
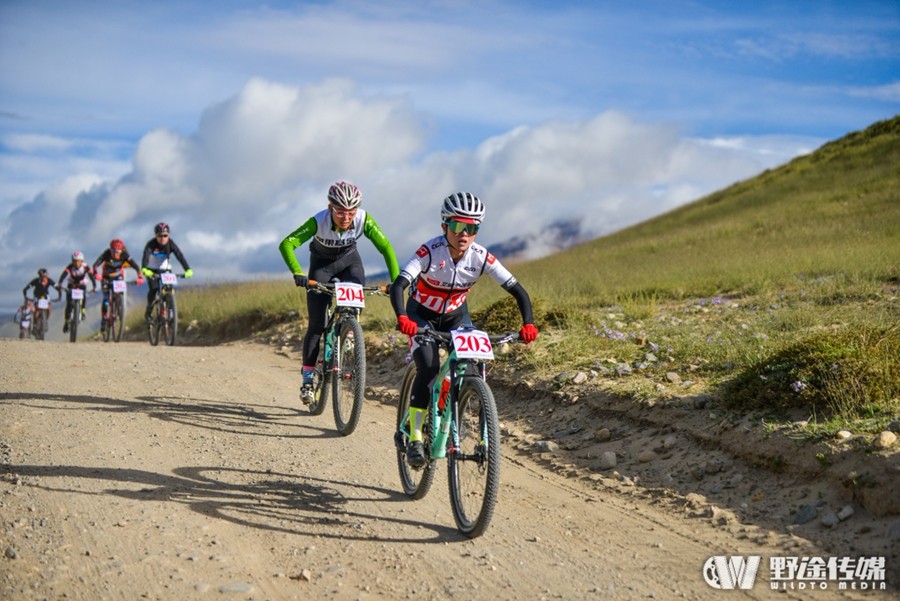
[
  {"x": 179, "y": 255},
  {"x": 381, "y": 242},
  {"x": 27, "y": 286},
  {"x": 398, "y": 286},
  {"x": 523, "y": 300},
  {"x": 62, "y": 277},
  {"x": 295, "y": 240}
]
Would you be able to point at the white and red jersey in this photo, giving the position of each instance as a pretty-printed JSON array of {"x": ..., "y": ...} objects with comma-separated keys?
[{"x": 441, "y": 285}]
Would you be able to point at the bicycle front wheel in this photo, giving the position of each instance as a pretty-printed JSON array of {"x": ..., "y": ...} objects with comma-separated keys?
[
  {"x": 155, "y": 322},
  {"x": 106, "y": 321},
  {"x": 416, "y": 481},
  {"x": 39, "y": 324},
  {"x": 117, "y": 306},
  {"x": 474, "y": 468},
  {"x": 349, "y": 383},
  {"x": 76, "y": 319},
  {"x": 170, "y": 322}
]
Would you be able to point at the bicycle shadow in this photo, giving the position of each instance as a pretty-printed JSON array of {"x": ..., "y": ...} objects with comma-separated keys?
[
  {"x": 295, "y": 502},
  {"x": 243, "y": 418},
  {"x": 264, "y": 500}
]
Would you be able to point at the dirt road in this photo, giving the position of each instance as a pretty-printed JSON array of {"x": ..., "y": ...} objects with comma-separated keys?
[{"x": 133, "y": 472}]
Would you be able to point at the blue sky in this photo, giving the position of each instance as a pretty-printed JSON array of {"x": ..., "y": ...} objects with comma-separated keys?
[{"x": 229, "y": 119}]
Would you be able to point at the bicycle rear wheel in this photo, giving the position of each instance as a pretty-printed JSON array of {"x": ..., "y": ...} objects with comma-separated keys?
[
  {"x": 170, "y": 322},
  {"x": 349, "y": 384},
  {"x": 474, "y": 468},
  {"x": 416, "y": 481},
  {"x": 321, "y": 386},
  {"x": 117, "y": 306}
]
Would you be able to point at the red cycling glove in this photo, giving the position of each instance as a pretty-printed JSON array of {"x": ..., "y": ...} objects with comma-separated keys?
[
  {"x": 528, "y": 333},
  {"x": 407, "y": 326}
]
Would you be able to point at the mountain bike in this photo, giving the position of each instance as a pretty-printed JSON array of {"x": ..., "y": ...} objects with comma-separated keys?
[
  {"x": 42, "y": 314},
  {"x": 343, "y": 363},
  {"x": 115, "y": 311},
  {"x": 461, "y": 424},
  {"x": 76, "y": 293},
  {"x": 163, "y": 311}
]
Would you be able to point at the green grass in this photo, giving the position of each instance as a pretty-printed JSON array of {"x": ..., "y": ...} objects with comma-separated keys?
[{"x": 777, "y": 294}]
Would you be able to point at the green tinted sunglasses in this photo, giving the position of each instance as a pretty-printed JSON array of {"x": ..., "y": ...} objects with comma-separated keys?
[{"x": 458, "y": 227}]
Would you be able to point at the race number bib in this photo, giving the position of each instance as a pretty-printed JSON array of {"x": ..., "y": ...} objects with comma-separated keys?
[
  {"x": 119, "y": 286},
  {"x": 472, "y": 344},
  {"x": 26, "y": 324},
  {"x": 168, "y": 279},
  {"x": 349, "y": 295},
  {"x": 43, "y": 303},
  {"x": 77, "y": 294}
]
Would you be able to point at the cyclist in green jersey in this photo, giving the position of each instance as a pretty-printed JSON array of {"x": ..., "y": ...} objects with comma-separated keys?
[{"x": 333, "y": 257}]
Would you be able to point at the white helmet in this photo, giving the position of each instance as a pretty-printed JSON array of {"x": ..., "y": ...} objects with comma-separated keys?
[
  {"x": 344, "y": 195},
  {"x": 78, "y": 256},
  {"x": 462, "y": 205}
]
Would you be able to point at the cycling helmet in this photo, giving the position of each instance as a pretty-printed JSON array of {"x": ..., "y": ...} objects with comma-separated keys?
[
  {"x": 42, "y": 272},
  {"x": 116, "y": 244},
  {"x": 77, "y": 256},
  {"x": 344, "y": 195},
  {"x": 463, "y": 206},
  {"x": 161, "y": 228}
]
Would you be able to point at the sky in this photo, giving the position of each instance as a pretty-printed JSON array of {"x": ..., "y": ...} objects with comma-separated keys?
[{"x": 230, "y": 119}]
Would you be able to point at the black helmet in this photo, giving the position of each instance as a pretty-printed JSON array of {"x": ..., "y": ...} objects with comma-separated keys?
[
  {"x": 161, "y": 228},
  {"x": 42, "y": 272}
]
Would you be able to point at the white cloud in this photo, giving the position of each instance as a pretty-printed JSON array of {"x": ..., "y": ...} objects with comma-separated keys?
[{"x": 260, "y": 163}]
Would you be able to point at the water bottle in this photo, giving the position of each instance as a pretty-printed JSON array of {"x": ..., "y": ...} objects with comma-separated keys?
[
  {"x": 328, "y": 346},
  {"x": 445, "y": 389}
]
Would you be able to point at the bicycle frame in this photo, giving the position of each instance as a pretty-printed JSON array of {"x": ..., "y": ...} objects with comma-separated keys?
[
  {"x": 337, "y": 368},
  {"x": 462, "y": 427}
]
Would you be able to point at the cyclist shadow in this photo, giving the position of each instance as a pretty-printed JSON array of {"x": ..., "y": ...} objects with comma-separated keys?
[
  {"x": 263, "y": 500},
  {"x": 243, "y": 418}
]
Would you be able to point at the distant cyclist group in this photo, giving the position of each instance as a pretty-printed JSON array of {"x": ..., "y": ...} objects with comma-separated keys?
[{"x": 109, "y": 268}]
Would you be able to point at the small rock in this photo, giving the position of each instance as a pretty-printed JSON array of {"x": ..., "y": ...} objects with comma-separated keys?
[
  {"x": 11, "y": 553},
  {"x": 646, "y": 456},
  {"x": 805, "y": 514},
  {"x": 546, "y": 446},
  {"x": 673, "y": 377},
  {"x": 845, "y": 512},
  {"x": 843, "y": 434},
  {"x": 602, "y": 434},
  {"x": 607, "y": 460},
  {"x": 830, "y": 520},
  {"x": 885, "y": 440},
  {"x": 623, "y": 369}
]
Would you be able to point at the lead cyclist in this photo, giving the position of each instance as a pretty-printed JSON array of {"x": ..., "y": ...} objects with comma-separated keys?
[{"x": 442, "y": 272}]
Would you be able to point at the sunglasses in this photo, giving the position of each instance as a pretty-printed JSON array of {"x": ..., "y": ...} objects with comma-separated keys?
[
  {"x": 162, "y": 235},
  {"x": 458, "y": 227}
]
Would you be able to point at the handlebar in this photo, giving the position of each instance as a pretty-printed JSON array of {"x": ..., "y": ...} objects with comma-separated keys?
[
  {"x": 52, "y": 300},
  {"x": 329, "y": 288},
  {"x": 429, "y": 332}
]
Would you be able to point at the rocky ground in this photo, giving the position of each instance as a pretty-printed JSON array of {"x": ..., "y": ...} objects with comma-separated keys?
[{"x": 192, "y": 472}]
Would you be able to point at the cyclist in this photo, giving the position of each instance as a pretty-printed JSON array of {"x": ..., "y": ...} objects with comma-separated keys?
[
  {"x": 442, "y": 272},
  {"x": 113, "y": 261},
  {"x": 42, "y": 285},
  {"x": 25, "y": 317},
  {"x": 156, "y": 259},
  {"x": 77, "y": 271},
  {"x": 333, "y": 256}
]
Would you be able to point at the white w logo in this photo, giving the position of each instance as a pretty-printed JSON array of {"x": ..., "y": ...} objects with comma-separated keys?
[{"x": 728, "y": 573}]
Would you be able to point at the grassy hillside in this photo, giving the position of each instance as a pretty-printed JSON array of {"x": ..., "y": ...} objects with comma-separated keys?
[{"x": 778, "y": 293}]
